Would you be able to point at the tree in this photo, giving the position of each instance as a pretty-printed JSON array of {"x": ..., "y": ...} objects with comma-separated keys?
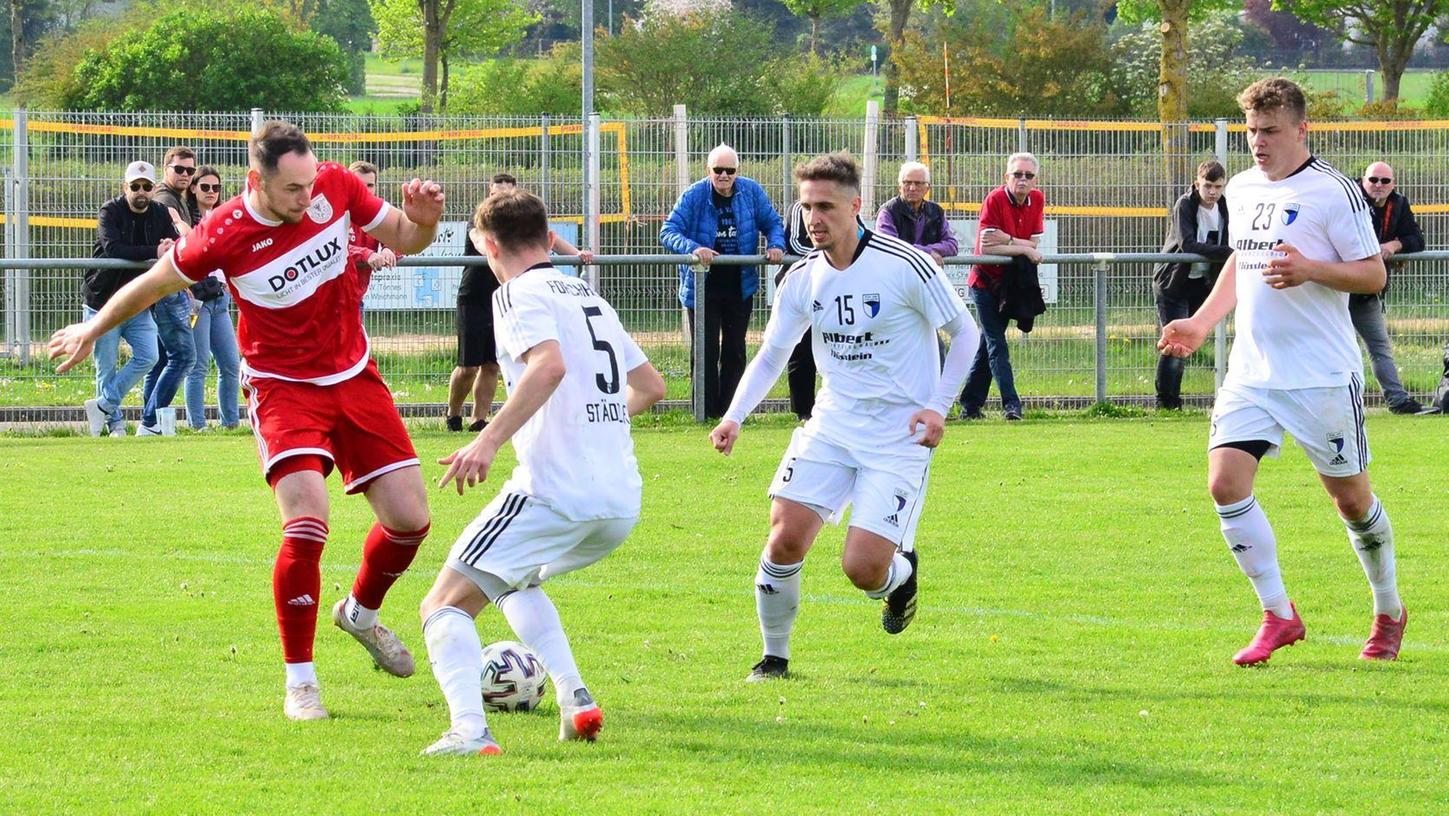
[
  {"x": 813, "y": 10},
  {"x": 1215, "y": 72},
  {"x": 350, "y": 24},
  {"x": 715, "y": 63},
  {"x": 1391, "y": 27},
  {"x": 209, "y": 58},
  {"x": 1173, "y": 18},
  {"x": 440, "y": 30},
  {"x": 1060, "y": 66}
]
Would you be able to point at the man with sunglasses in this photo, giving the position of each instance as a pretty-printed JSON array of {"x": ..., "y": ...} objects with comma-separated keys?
[
  {"x": 1012, "y": 223},
  {"x": 723, "y": 214},
  {"x": 1397, "y": 232},
  {"x": 131, "y": 227},
  {"x": 177, "y": 353}
]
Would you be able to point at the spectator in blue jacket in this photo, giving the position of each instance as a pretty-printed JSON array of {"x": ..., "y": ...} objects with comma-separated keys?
[{"x": 723, "y": 214}]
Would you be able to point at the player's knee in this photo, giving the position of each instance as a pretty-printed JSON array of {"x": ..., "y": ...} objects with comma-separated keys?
[
  {"x": 1354, "y": 506},
  {"x": 863, "y": 572},
  {"x": 1227, "y": 488}
]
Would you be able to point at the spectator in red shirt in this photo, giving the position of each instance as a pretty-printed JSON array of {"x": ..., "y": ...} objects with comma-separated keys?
[
  {"x": 1011, "y": 224},
  {"x": 365, "y": 253}
]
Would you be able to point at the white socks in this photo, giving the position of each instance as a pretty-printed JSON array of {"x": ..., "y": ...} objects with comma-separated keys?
[
  {"x": 457, "y": 658},
  {"x": 361, "y": 617},
  {"x": 302, "y": 674},
  {"x": 777, "y": 601},
  {"x": 1246, "y": 530},
  {"x": 900, "y": 570},
  {"x": 534, "y": 619},
  {"x": 1373, "y": 542}
]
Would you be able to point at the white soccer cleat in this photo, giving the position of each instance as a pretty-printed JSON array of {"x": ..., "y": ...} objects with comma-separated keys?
[
  {"x": 454, "y": 744},
  {"x": 580, "y": 720},
  {"x": 387, "y": 651},
  {"x": 95, "y": 416},
  {"x": 304, "y": 702}
]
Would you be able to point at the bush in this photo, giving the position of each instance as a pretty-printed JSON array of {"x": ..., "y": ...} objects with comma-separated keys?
[
  {"x": 1387, "y": 109},
  {"x": 804, "y": 85},
  {"x": 205, "y": 58},
  {"x": 518, "y": 87},
  {"x": 714, "y": 62},
  {"x": 1437, "y": 105},
  {"x": 1060, "y": 66}
]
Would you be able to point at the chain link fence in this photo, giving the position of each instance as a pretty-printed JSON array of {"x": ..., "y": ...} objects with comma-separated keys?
[{"x": 1108, "y": 184}]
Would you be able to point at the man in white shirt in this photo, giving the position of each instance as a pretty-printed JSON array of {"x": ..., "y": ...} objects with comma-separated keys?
[
  {"x": 1302, "y": 242},
  {"x": 872, "y": 304},
  {"x": 574, "y": 378}
]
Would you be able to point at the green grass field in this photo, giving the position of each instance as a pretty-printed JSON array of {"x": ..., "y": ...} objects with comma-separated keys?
[{"x": 1078, "y": 610}]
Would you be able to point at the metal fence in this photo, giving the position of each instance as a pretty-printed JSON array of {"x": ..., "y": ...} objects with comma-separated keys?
[{"x": 1109, "y": 185}]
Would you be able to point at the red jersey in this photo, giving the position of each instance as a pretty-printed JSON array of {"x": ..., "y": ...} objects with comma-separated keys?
[
  {"x": 360, "y": 247},
  {"x": 299, "y": 297},
  {"x": 1001, "y": 211}
]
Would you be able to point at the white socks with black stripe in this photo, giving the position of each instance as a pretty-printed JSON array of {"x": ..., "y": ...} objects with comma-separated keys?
[
  {"x": 777, "y": 601},
  {"x": 1373, "y": 542},
  {"x": 1246, "y": 530}
]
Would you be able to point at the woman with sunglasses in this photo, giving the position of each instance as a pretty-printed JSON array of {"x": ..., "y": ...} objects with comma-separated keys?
[{"x": 212, "y": 332}]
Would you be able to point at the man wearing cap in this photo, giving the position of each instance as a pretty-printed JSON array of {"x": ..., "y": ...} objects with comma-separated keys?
[{"x": 131, "y": 227}]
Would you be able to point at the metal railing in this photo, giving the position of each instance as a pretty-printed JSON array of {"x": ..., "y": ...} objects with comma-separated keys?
[{"x": 1096, "y": 343}]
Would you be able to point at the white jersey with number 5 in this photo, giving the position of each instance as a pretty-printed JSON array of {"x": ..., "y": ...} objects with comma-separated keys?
[
  {"x": 574, "y": 454},
  {"x": 1299, "y": 337},
  {"x": 873, "y": 333}
]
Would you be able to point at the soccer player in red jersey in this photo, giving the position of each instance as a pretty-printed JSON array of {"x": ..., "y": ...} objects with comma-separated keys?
[{"x": 316, "y": 400}]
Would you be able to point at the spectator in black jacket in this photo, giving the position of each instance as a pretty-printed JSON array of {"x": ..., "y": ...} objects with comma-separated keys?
[
  {"x": 1398, "y": 232},
  {"x": 131, "y": 227},
  {"x": 1199, "y": 225}
]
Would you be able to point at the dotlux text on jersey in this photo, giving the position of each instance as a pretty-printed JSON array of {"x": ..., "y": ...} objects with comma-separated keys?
[{"x": 314, "y": 260}]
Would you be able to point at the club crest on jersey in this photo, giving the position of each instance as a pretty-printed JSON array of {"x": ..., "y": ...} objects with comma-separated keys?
[
  {"x": 1290, "y": 213},
  {"x": 872, "y": 303},
  {"x": 321, "y": 209}
]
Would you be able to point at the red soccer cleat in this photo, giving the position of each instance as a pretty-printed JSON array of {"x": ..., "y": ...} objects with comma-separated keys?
[
  {"x": 1275, "y": 633},
  {"x": 1385, "y": 637}
]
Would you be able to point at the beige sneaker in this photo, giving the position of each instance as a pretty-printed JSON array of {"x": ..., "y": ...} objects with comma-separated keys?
[
  {"x": 387, "y": 651},
  {"x": 304, "y": 702},
  {"x": 455, "y": 744}
]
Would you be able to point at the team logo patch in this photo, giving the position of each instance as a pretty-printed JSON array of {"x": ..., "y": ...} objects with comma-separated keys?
[
  {"x": 321, "y": 210},
  {"x": 1336, "y": 439},
  {"x": 1290, "y": 213},
  {"x": 872, "y": 303}
]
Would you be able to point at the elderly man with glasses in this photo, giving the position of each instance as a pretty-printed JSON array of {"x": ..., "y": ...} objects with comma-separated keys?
[
  {"x": 1012, "y": 223},
  {"x": 723, "y": 214},
  {"x": 131, "y": 227},
  {"x": 915, "y": 220},
  {"x": 1397, "y": 232}
]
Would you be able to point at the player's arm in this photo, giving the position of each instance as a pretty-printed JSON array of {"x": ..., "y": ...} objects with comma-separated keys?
[
  {"x": 563, "y": 246},
  {"x": 1366, "y": 276},
  {"x": 411, "y": 228},
  {"x": 75, "y": 342},
  {"x": 965, "y": 340},
  {"x": 646, "y": 387},
  {"x": 782, "y": 332},
  {"x": 543, "y": 370},
  {"x": 1181, "y": 338}
]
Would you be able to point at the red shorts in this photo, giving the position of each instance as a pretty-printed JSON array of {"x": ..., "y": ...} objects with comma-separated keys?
[{"x": 353, "y": 424}]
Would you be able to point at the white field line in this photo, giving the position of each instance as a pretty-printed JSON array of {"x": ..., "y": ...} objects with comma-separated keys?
[{"x": 1094, "y": 621}]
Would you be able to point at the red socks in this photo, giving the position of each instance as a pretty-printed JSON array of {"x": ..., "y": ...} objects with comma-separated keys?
[
  {"x": 296, "y": 585},
  {"x": 385, "y": 557}
]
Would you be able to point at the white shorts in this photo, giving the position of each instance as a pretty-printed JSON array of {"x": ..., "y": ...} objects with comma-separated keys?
[
  {"x": 1327, "y": 423},
  {"x": 523, "y": 542},
  {"x": 887, "y": 490}
]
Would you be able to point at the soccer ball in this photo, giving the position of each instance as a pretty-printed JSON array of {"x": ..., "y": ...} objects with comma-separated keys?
[{"x": 513, "y": 677}]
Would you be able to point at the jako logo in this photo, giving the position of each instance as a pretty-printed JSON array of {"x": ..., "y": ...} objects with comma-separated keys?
[
  {"x": 307, "y": 264},
  {"x": 260, "y": 245}
]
